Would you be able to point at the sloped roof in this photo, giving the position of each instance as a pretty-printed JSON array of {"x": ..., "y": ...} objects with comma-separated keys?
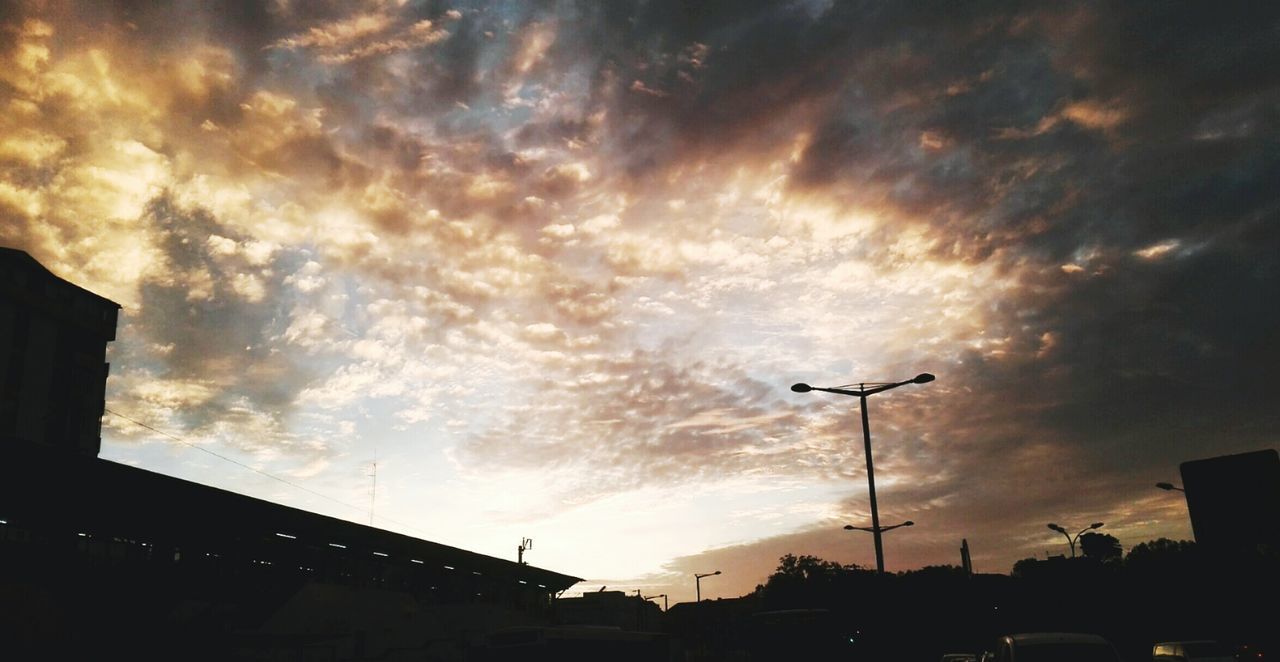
[{"x": 99, "y": 495}]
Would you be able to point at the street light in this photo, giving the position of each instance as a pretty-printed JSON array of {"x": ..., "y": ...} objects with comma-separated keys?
[
  {"x": 1071, "y": 540},
  {"x": 660, "y": 595},
  {"x": 870, "y": 529},
  {"x": 1170, "y": 486},
  {"x": 862, "y": 392},
  {"x": 698, "y": 582}
]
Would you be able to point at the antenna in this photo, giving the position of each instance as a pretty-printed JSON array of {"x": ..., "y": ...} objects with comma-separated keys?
[
  {"x": 373, "y": 490},
  {"x": 526, "y": 544}
]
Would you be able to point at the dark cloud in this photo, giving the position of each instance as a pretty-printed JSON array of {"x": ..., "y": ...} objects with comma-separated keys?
[{"x": 216, "y": 312}]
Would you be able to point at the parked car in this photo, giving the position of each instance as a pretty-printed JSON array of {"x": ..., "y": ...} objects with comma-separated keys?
[
  {"x": 1054, "y": 647},
  {"x": 1202, "y": 650}
]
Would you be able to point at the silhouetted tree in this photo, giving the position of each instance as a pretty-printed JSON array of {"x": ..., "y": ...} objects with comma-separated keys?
[
  {"x": 1101, "y": 547},
  {"x": 807, "y": 567},
  {"x": 1024, "y": 567},
  {"x": 808, "y": 581},
  {"x": 936, "y": 573},
  {"x": 1160, "y": 554}
]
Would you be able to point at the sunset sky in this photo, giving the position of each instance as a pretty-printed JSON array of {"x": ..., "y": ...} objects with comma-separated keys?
[{"x": 554, "y": 265}]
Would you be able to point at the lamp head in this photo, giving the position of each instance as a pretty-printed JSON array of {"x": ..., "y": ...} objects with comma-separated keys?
[
  {"x": 923, "y": 378},
  {"x": 908, "y": 523},
  {"x": 1055, "y": 527},
  {"x": 1096, "y": 525},
  {"x": 1165, "y": 486},
  {"x": 848, "y": 527},
  {"x": 716, "y": 572},
  {"x": 801, "y": 388}
]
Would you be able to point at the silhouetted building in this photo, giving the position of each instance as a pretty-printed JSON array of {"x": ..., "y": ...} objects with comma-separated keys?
[
  {"x": 96, "y": 553},
  {"x": 610, "y": 609},
  {"x": 99, "y": 557},
  {"x": 1234, "y": 501},
  {"x": 53, "y": 346},
  {"x": 718, "y": 629}
]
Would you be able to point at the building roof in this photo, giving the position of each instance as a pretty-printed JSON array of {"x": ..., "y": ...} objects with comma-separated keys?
[
  {"x": 29, "y": 282},
  {"x": 20, "y": 258},
  {"x": 54, "y": 490}
]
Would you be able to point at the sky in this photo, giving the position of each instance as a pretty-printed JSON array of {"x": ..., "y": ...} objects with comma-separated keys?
[{"x": 478, "y": 272}]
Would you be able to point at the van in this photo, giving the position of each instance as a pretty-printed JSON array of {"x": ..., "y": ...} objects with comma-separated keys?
[
  {"x": 1202, "y": 650},
  {"x": 1054, "y": 647}
]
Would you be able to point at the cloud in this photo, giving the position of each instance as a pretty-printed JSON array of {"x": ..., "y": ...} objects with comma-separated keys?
[
  {"x": 600, "y": 243},
  {"x": 340, "y": 33},
  {"x": 641, "y": 421}
]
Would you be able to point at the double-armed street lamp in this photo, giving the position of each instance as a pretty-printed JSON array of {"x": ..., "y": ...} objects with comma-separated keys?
[
  {"x": 1072, "y": 540},
  {"x": 872, "y": 529},
  {"x": 698, "y": 582},
  {"x": 862, "y": 392}
]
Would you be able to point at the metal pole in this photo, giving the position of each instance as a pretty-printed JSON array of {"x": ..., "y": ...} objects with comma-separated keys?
[
  {"x": 1070, "y": 542},
  {"x": 1073, "y": 543},
  {"x": 697, "y": 581},
  {"x": 871, "y": 483}
]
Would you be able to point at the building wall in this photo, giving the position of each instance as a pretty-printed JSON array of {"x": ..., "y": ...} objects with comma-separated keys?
[
  {"x": 53, "y": 369},
  {"x": 1234, "y": 501}
]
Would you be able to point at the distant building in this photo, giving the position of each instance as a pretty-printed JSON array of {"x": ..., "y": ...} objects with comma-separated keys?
[
  {"x": 53, "y": 346},
  {"x": 613, "y": 609},
  {"x": 103, "y": 559},
  {"x": 1234, "y": 500}
]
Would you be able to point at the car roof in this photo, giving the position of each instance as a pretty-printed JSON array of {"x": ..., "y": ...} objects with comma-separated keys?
[{"x": 1056, "y": 638}]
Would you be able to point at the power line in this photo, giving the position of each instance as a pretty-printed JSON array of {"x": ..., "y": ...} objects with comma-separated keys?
[{"x": 255, "y": 470}]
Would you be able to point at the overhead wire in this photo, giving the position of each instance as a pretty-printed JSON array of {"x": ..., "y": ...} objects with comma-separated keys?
[{"x": 254, "y": 469}]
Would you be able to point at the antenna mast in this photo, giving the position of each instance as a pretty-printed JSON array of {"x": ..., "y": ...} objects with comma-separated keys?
[
  {"x": 526, "y": 544},
  {"x": 373, "y": 490}
]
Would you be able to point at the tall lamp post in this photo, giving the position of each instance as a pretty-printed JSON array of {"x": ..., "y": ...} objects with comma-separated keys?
[
  {"x": 660, "y": 595},
  {"x": 872, "y": 529},
  {"x": 1070, "y": 539},
  {"x": 862, "y": 392},
  {"x": 697, "y": 579}
]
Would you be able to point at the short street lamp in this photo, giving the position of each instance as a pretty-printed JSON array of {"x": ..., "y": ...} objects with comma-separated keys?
[
  {"x": 698, "y": 582},
  {"x": 1070, "y": 539},
  {"x": 660, "y": 595},
  {"x": 862, "y": 392},
  {"x": 871, "y": 529}
]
